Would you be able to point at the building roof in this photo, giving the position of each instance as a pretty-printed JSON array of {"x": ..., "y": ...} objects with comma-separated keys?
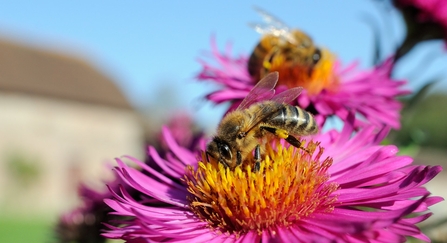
[{"x": 33, "y": 71}]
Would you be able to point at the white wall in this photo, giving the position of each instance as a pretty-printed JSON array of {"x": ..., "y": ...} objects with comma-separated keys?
[{"x": 65, "y": 142}]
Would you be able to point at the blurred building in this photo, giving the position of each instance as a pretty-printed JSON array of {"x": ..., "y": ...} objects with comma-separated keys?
[{"x": 61, "y": 121}]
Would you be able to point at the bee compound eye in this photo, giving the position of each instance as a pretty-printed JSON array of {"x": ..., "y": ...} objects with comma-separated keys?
[
  {"x": 316, "y": 56},
  {"x": 225, "y": 151}
]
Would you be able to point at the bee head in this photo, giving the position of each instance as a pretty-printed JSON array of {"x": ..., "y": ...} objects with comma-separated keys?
[{"x": 221, "y": 151}]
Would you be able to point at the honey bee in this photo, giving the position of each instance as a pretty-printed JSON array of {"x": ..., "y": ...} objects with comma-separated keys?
[
  {"x": 289, "y": 51},
  {"x": 260, "y": 117}
]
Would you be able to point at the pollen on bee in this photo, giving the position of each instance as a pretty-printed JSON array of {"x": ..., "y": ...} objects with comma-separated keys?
[
  {"x": 282, "y": 133},
  {"x": 267, "y": 65},
  {"x": 322, "y": 75},
  {"x": 290, "y": 185}
]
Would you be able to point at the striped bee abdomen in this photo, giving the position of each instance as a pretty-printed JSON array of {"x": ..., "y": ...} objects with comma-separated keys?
[{"x": 294, "y": 120}]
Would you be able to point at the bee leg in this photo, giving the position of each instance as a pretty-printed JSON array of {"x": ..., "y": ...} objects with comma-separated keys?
[
  {"x": 257, "y": 158},
  {"x": 285, "y": 135},
  {"x": 295, "y": 142},
  {"x": 277, "y": 132},
  {"x": 225, "y": 165},
  {"x": 238, "y": 158}
]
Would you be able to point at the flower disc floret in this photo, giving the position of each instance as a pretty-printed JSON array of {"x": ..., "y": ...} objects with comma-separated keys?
[{"x": 290, "y": 185}]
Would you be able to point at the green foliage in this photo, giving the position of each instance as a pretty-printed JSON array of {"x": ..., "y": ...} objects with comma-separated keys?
[{"x": 425, "y": 124}]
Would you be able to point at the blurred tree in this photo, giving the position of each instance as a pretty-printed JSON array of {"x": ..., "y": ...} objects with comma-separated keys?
[{"x": 23, "y": 168}]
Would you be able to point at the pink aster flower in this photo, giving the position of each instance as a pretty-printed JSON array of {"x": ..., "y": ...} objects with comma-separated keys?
[
  {"x": 341, "y": 188},
  {"x": 425, "y": 19},
  {"x": 84, "y": 223},
  {"x": 331, "y": 90},
  {"x": 183, "y": 129}
]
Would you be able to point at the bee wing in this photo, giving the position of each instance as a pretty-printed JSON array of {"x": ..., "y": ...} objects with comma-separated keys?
[
  {"x": 262, "y": 114},
  {"x": 287, "y": 96},
  {"x": 267, "y": 29},
  {"x": 272, "y": 26},
  {"x": 270, "y": 19},
  {"x": 263, "y": 90},
  {"x": 284, "y": 97}
]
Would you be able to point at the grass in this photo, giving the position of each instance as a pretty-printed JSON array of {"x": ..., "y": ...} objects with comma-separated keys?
[
  {"x": 21, "y": 230},
  {"x": 13, "y": 230}
]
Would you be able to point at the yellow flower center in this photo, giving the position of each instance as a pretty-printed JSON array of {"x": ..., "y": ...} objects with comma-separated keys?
[
  {"x": 291, "y": 185},
  {"x": 320, "y": 77}
]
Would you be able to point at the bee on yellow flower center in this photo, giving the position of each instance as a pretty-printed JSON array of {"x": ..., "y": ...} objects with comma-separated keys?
[{"x": 290, "y": 185}]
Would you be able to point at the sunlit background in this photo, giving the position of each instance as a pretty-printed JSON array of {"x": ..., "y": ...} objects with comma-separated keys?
[{"x": 83, "y": 82}]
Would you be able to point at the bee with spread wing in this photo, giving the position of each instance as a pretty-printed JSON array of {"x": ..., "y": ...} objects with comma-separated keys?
[
  {"x": 289, "y": 51},
  {"x": 260, "y": 116}
]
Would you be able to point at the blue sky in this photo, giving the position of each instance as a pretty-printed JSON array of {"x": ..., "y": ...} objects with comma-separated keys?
[{"x": 150, "y": 45}]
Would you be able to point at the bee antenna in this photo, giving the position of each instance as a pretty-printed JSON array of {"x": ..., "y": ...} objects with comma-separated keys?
[{"x": 208, "y": 156}]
